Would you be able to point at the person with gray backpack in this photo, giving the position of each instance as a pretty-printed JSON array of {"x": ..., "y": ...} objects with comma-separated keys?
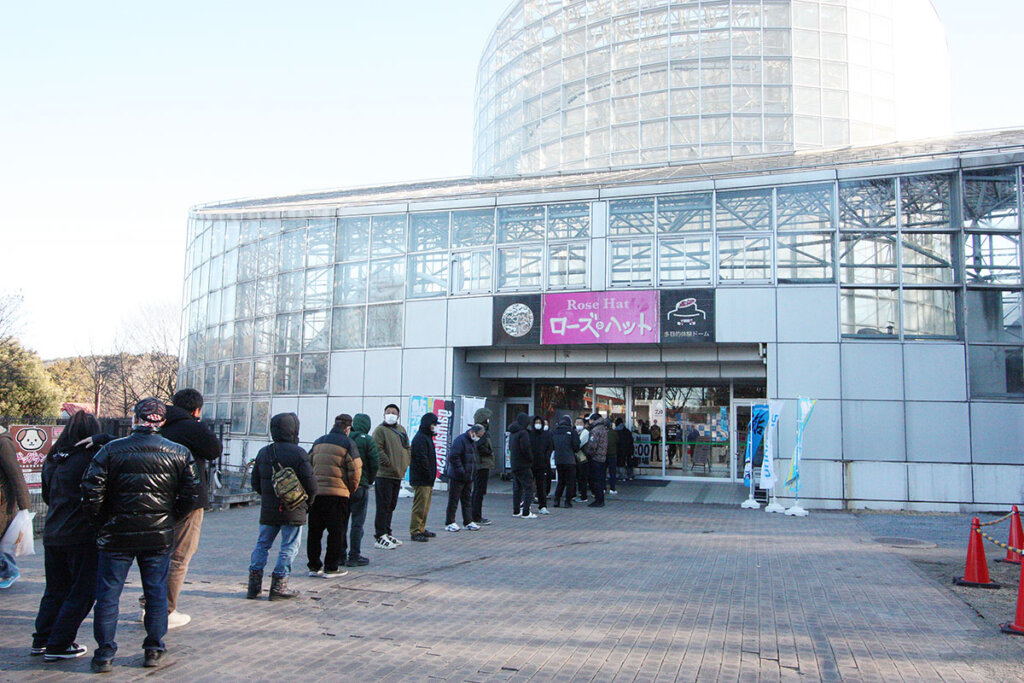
[{"x": 283, "y": 477}]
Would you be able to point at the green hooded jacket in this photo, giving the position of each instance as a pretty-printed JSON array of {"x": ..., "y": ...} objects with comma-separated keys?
[{"x": 367, "y": 448}]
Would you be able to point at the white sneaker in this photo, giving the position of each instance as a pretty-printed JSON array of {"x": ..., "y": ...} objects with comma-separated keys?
[
  {"x": 529, "y": 516},
  {"x": 613, "y": 492},
  {"x": 394, "y": 540},
  {"x": 453, "y": 527},
  {"x": 384, "y": 543},
  {"x": 544, "y": 511},
  {"x": 315, "y": 572},
  {"x": 473, "y": 526},
  {"x": 176, "y": 619}
]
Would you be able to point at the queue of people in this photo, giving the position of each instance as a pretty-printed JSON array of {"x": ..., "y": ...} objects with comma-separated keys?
[{"x": 140, "y": 500}]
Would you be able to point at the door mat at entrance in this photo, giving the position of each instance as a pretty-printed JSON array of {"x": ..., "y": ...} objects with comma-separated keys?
[{"x": 645, "y": 482}]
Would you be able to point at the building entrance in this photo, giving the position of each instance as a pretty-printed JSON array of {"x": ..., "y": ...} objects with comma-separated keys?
[{"x": 680, "y": 431}]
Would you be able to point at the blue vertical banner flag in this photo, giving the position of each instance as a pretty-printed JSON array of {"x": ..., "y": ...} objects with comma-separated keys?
[
  {"x": 768, "y": 478},
  {"x": 755, "y": 432},
  {"x": 804, "y": 408}
]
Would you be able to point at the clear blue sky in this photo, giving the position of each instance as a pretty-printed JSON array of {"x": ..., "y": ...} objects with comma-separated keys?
[{"x": 117, "y": 116}]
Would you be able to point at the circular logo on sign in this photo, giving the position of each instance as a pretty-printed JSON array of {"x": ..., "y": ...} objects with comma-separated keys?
[{"x": 517, "y": 320}]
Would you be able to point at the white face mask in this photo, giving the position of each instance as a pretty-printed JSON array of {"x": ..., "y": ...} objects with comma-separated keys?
[
  {"x": 433, "y": 429},
  {"x": 579, "y": 428},
  {"x": 474, "y": 437},
  {"x": 545, "y": 428},
  {"x": 538, "y": 425},
  {"x": 390, "y": 419}
]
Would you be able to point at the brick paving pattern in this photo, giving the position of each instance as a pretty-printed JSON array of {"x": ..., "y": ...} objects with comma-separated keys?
[{"x": 638, "y": 591}]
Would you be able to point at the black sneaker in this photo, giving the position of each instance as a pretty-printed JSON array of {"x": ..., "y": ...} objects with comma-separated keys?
[
  {"x": 70, "y": 652},
  {"x": 419, "y": 538},
  {"x": 101, "y": 666},
  {"x": 152, "y": 659},
  {"x": 37, "y": 651},
  {"x": 357, "y": 562},
  {"x": 483, "y": 522},
  {"x": 429, "y": 534},
  {"x": 595, "y": 504}
]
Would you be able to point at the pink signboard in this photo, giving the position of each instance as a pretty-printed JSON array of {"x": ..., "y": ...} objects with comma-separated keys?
[{"x": 601, "y": 318}]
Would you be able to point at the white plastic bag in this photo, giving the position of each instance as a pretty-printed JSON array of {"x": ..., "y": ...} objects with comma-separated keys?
[{"x": 18, "y": 540}]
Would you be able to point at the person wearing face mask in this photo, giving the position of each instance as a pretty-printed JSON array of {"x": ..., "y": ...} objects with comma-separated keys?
[
  {"x": 541, "y": 448},
  {"x": 460, "y": 469},
  {"x": 582, "y": 465},
  {"x": 422, "y": 474},
  {"x": 485, "y": 463},
  {"x": 521, "y": 457},
  {"x": 625, "y": 448},
  {"x": 393, "y": 451}
]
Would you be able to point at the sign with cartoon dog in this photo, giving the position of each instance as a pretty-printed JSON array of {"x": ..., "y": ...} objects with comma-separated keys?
[{"x": 31, "y": 443}]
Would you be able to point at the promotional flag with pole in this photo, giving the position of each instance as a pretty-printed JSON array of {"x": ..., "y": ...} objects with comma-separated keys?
[
  {"x": 804, "y": 408},
  {"x": 768, "y": 478},
  {"x": 758, "y": 420}
]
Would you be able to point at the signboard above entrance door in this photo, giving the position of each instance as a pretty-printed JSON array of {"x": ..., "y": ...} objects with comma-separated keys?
[{"x": 670, "y": 316}]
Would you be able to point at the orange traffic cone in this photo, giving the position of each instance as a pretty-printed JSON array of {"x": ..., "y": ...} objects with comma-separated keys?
[
  {"x": 976, "y": 570},
  {"x": 1016, "y": 538},
  {"x": 1017, "y": 627}
]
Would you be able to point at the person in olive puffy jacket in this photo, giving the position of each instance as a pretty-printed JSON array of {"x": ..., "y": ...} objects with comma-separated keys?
[{"x": 136, "y": 488}]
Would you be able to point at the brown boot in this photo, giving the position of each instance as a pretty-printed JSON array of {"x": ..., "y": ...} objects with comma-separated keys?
[
  {"x": 279, "y": 588},
  {"x": 255, "y": 585}
]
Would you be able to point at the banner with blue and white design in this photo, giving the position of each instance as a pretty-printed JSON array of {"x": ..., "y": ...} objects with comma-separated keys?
[
  {"x": 755, "y": 432},
  {"x": 768, "y": 478},
  {"x": 804, "y": 408}
]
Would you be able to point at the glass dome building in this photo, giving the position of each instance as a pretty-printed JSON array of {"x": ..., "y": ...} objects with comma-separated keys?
[
  {"x": 608, "y": 83},
  {"x": 885, "y": 281}
]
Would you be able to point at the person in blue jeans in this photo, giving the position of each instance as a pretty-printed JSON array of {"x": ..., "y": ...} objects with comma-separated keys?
[
  {"x": 134, "y": 490},
  {"x": 284, "y": 452}
]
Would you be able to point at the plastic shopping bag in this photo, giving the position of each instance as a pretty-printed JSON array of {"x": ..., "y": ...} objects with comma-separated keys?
[{"x": 18, "y": 540}]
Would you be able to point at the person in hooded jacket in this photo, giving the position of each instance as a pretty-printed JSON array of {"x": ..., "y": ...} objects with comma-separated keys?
[
  {"x": 541, "y": 448},
  {"x": 485, "y": 463},
  {"x": 284, "y": 452},
  {"x": 612, "y": 461},
  {"x": 566, "y": 442},
  {"x": 521, "y": 457},
  {"x": 135, "y": 489},
  {"x": 624, "y": 446},
  {"x": 460, "y": 470},
  {"x": 184, "y": 426},
  {"x": 596, "y": 451},
  {"x": 422, "y": 475},
  {"x": 582, "y": 466},
  {"x": 69, "y": 540},
  {"x": 367, "y": 447}
]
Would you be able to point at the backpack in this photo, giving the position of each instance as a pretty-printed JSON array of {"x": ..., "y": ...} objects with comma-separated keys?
[{"x": 287, "y": 486}]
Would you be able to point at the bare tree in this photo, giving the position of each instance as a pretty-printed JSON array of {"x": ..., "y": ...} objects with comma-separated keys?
[
  {"x": 10, "y": 315},
  {"x": 146, "y": 353}
]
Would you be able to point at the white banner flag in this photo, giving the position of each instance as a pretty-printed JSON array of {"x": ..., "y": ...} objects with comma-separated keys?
[{"x": 768, "y": 477}]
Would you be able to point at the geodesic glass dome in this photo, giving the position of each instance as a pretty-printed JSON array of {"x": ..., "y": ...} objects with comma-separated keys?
[{"x": 566, "y": 85}]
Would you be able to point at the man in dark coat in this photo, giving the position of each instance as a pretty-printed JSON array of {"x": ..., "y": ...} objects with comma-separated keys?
[
  {"x": 566, "y": 442},
  {"x": 461, "y": 471},
  {"x": 183, "y": 427},
  {"x": 283, "y": 453},
  {"x": 625, "y": 447},
  {"x": 521, "y": 456},
  {"x": 596, "y": 451},
  {"x": 485, "y": 463},
  {"x": 541, "y": 448},
  {"x": 135, "y": 489},
  {"x": 422, "y": 475},
  {"x": 612, "y": 462}
]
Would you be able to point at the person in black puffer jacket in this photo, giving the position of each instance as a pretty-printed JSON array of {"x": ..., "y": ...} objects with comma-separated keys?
[
  {"x": 136, "y": 488},
  {"x": 485, "y": 463},
  {"x": 422, "y": 474},
  {"x": 521, "y": 456},
  {"x": 541, "y": 448},
  {"x": 183, "y": 426},
  {"x": 566, "y": 442},
  {"x": 284, "y": 452},
  {"x": 460, "y": 469},
  {"x": 69, "y": 539}
]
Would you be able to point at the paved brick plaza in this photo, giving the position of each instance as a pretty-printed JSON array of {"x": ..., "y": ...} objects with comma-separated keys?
[{"x": 635, "y": 592}]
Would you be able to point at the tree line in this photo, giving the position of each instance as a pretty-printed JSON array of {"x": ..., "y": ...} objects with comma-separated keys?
[{"x": 142, "y": 362}]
